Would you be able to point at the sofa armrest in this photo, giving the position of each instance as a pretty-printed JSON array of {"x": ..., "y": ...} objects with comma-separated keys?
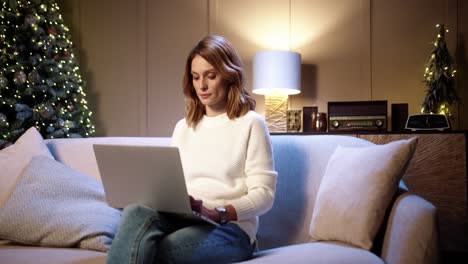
[{"x": 411, "y": 236}]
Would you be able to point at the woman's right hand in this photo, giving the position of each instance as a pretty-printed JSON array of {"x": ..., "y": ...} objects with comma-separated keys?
[{"x": 196, "y": 205}]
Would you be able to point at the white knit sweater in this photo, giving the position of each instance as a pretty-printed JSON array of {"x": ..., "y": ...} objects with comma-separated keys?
[{"x": 229, "y": 162}]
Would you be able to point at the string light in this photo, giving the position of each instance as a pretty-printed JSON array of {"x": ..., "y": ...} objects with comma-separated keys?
[{"x": 63, "y": 69}]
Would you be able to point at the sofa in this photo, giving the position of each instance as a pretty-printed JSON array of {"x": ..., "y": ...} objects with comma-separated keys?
[{"x": 406, "y": 234}]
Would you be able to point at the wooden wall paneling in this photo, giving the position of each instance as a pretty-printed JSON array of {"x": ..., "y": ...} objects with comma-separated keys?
[
  {"x": 437, "y": 172},
  {"x": 462, "y": 61},
  {"x": 142, "y": 65},
  {"x": 174, "y": 27},
  {"x": 333, "y": 38},
  {"x": 402, "y": 36},
  {"x": 108, "y": 43},
  {"x": 251, "y": 26}
]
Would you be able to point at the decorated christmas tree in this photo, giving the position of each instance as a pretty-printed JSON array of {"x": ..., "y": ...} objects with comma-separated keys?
[
  {"x": 439, "y": 78},
  {"x": 40, "y": 82}
]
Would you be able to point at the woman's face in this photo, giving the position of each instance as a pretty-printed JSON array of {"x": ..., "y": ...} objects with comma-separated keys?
[{"x": 211, "y": 89}]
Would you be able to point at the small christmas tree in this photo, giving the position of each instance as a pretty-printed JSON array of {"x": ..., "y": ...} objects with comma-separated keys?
[
  {"x": 439, "y": 78},
  {"x": 40, "y": 83}
]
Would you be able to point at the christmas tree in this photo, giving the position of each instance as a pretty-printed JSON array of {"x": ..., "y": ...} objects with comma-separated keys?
[
  {"x": 439, "y": 78},
  {"x": 40, "y": 83}
]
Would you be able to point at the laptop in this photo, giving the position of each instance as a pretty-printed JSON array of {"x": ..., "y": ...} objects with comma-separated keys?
[{"x": 149, "y": 175}]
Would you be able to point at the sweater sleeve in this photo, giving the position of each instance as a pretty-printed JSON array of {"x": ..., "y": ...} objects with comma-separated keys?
[
  {"x": 177, "y": 133},
  {"x": 261, "y": 174}
]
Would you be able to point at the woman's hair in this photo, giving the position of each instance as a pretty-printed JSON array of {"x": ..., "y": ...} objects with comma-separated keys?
[{"x": 220, "y": 53}]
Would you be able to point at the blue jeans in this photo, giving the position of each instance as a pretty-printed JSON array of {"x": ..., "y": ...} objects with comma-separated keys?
[{"x": 146, "y": 236}]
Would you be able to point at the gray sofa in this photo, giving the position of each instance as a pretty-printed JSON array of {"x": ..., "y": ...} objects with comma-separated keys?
[{"x": 408, "y": 234}]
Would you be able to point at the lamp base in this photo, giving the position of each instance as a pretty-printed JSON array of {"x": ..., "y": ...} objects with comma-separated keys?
[{"x": 275, "y": 112}]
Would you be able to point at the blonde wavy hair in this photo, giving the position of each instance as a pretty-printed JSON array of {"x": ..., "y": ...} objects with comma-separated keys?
[{"x": 220, "y": 53}]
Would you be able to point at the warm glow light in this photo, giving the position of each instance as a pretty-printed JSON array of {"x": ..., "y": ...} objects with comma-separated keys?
[
  {"x": 278, "y": 91},
  {"x": 268, "y": 27}
]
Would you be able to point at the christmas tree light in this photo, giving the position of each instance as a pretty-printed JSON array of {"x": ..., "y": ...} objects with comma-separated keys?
[
  {"x": 40, "y": 83},
  {"x": 439, "y": 78}
]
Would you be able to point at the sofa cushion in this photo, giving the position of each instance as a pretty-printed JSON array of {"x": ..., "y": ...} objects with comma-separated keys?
[
  {"x": 14, "y": 159},
  {"x": 356, "y": 190},
  {"x": 316, "y": 253},
  {"x": 43, "y": 255},
  {"x": 300, "y": 162},
  {"x": 53, "y": 205}
]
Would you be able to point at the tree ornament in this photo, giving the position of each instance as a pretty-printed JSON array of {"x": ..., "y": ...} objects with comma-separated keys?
[
  {"x": 46, "y": 111},
  {"x": 50, "y": 82},
  {"x": 30, "y": 19},
  {"x": 22, "y": 107},
  {"x": 50, "y": 129},
  {"x": 52, "y": 31},
  {"x": 34, "y": 77},
  {"x": 71, "y": 108},
  {"x": 19, "y": 78},
  {"x": 23, "y": 115},
  {"x": 70, "y": 124},
  {"x": 61, "y": 122},
  {"x": 3, "y": 121},
  {"x": 3, "y": 81}
]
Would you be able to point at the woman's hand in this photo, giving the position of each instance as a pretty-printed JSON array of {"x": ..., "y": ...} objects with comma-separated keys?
[{"x": 197, "y": 206}]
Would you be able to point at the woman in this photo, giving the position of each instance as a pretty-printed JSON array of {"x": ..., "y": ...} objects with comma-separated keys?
[{"x": 227, "y": 158}]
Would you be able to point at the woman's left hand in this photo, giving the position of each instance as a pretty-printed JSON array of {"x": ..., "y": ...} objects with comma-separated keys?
[{"x": 197, "y": 206}]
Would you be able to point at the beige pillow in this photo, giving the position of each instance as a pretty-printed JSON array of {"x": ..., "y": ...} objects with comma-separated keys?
[
  {"x": 14, "y": 159},
  {"x": 355, "y": 191},
  {"x": 53, "y": 205}
]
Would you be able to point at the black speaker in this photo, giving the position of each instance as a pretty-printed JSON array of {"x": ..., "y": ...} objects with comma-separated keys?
[{"x": 399, "y": 116}]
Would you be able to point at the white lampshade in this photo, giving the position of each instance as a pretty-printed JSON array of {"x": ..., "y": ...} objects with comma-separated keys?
[{"x": 277, "y": 71}]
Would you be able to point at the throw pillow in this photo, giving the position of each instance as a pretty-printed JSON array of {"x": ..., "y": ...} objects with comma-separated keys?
[
  {"x": 356, "y": 189},
  {"x": 53, "y": 205},
  {"x": 14, "y": 159}
]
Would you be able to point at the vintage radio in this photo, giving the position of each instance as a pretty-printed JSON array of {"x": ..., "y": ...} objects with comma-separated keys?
[{"x": 357, "y": 116}]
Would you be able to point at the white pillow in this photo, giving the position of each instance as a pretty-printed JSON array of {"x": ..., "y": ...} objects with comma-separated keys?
[
  {"x": 14, "y": 159},
  {"x": 356, "y": 189},
  {"x": 53, "y": 205}
]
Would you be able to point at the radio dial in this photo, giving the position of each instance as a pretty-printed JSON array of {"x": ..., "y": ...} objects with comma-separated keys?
[
  {"x": 378, "y": 123},
  {"x": 335, "y": 124}
]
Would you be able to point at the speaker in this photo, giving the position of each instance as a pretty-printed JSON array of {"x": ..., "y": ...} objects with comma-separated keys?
[{"x": 399, "y": 116}]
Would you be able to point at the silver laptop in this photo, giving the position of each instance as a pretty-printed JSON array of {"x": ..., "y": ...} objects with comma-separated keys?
[{"x": 149, "y": 175}]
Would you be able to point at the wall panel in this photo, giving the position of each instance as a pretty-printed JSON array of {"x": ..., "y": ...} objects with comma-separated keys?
[
  {"x": 108, "y": 55},
  {"x": 462, "y": 61},
  {"x": 333, "y": 38},
  {"x": 132, "y": 53},
  {"x": 174, "y": 27},
  {"x": 403, "y": 33}
]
